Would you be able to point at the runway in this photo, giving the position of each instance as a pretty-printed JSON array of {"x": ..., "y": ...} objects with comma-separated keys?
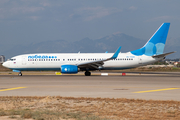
[{"x": 164, "y": 86}]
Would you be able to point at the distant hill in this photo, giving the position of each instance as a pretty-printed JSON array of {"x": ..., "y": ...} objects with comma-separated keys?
[{"x": 109, "y": 43}]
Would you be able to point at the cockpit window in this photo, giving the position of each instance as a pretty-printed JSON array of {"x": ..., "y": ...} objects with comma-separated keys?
[{"x": 12, "y": 59}]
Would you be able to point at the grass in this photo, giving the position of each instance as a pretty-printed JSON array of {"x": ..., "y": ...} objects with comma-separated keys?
[
  {"x": 175, "y": 68},
  {"x": 163, "y": 69},
  {"x": 70, "y": 108},
  {"x": 51, "y": 115}
]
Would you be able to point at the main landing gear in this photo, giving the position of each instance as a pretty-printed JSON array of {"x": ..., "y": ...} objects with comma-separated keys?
[
  {"x": 20, "y": 74},
  {"x": 87, "y": 73}
]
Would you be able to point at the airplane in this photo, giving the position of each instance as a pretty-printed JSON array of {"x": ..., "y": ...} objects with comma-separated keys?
[{"x": 72, "y": 63}]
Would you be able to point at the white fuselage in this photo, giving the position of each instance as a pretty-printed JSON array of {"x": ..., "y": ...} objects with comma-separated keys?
[{"x": 53, "y": 61}]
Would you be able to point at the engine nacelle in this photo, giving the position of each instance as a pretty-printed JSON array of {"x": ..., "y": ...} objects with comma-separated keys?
[{"x": 68, "y": 69}]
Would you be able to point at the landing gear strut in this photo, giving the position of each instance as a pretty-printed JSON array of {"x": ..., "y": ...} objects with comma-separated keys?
[
  {"x": 20, "y": 74},
  {"x": 87, "y": 73}
]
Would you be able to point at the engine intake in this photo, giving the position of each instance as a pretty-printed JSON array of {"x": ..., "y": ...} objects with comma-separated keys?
[{"x": 67, "y": 69}]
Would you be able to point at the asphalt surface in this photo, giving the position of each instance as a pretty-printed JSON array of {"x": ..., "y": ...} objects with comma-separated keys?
[{"x": 155, "y": 86}]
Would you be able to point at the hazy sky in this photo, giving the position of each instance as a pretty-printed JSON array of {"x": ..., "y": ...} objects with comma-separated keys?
[{"x": 26, "y": 21}]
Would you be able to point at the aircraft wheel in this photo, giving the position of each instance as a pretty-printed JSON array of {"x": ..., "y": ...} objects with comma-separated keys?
[
  {"x": 87, "y": 73},
  {"x": 20, "y": 74}
]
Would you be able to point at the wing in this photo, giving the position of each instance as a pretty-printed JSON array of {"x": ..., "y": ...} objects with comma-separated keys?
[{"x": 97, "y": 65}]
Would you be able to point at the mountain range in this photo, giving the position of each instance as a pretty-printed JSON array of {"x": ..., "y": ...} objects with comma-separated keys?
[{"x": 109, "y": 43}]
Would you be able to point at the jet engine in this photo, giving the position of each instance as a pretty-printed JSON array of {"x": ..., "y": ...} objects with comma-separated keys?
[{"x": 68, "y": 69}]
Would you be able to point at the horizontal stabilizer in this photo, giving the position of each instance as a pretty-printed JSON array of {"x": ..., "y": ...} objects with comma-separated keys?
[{"x": 162, "y": 55}]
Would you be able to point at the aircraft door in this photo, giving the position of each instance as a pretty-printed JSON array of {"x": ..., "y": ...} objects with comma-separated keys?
[
  {"x": 24, "y": 60},
  {"x": 140, "y": 60}
]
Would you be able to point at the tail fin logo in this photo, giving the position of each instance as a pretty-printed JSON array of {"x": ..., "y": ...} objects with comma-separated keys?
[{"x": 156, "y": 43}]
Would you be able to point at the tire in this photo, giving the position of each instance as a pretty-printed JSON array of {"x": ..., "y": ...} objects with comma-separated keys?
[
  {"x": 20, "y": 74},
  {"x": 87, "y": 73}
]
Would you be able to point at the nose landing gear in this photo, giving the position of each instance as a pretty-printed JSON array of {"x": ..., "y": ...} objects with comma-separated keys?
[{"x": 20, "y": 74}]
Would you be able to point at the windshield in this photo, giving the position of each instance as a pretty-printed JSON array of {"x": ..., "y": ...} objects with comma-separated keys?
[{"x": 11, "y": 59}]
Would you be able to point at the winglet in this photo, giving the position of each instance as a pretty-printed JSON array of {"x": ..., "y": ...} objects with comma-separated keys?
[{"x": 116, "y": 53}]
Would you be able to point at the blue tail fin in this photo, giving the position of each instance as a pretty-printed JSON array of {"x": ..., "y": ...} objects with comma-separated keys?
[{"x": 156, "y": 43}]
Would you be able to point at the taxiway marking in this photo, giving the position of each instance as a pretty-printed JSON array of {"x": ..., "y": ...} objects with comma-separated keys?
[
  {"x": 12, "y": 89},
  {"x": 156, "y": 90}
]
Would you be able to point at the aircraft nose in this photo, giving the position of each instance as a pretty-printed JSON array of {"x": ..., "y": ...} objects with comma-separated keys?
[{"x": 5, "y": 64}]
